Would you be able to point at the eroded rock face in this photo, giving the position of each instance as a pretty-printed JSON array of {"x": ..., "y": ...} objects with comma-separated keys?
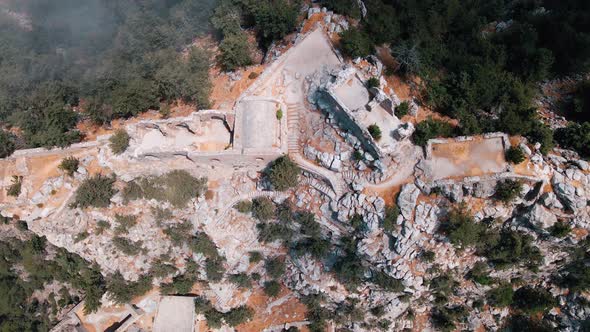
[
  {"x": 406, "y": 200},
  {"x": 571, "y": 196},
  {"x": 540, "y": 217}
]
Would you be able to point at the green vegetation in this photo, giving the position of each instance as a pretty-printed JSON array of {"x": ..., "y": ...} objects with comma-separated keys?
[
  {"x": 507, "y": 190},
  {"x": 179, "y": 233},
  {"x": 431, "y": 128},
  {"x": 375, "y": 131},
  {"x": 390, "y": 220},
  {"x": 69, "y": 165},
  {"x": 560, "y": 229},
  {"x": 275, "y": 267},
  {"x": 244, "y": 206},
  {"x": 263, "y": 208},
  {"x": 480, "y": 274},
  {"x": 283, "y": 173},
  {"x": 355, "y": 43},
  {"x": 42, "y": 264},
  {"x": 177, "y": 187},
  {"x": 387, "y": 282},
  {"x": 272, "y": 288},
  {"x": 428, "y": 256},
  {"x": 508, "y": 248},
  {"x": 501, "y": 296},
  {"x": 119, "y": 142},
  {"x": 101, "y": 226},
  {"x": 348, "y": 267},
  {"x": 128, "y": 247},
  {"x": 122, "y": 291},
  {"x": 95, "y": 191},
  {"x": 279, "y": 114},
  {"x": 461, "y": 228},
  {"x": 7, "y": 146},
  {"x": 515, "y": 155},
  {"x": 124, "y": 223},
  {"x": 234, "y": 317},
  {"x": 372, "y": 82},
  {"x": 533, "y": 300},
  {"x": 255, "y": 256},
  {"x": 15, "y": 188},
  {"x": 234, "y": 52},
  {"x": 118, "y": 60},
  {"x": 241, "y": 280},
  {"x": 402, "y": 109},
  {"x": 576, "y": 137}
]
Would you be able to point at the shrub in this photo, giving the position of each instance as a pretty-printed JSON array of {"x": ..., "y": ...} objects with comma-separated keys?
[
  {"x": 429, "y": 129},
  {"x": 241, "y": 280},
  {"x": 239, "y": 315},
  {"x": 161, "y": 269},
  {"x": 283, "y": 173},
  {"x": 270, "y": 232},
  {"x": 124, "y": 223},
  {"x": 69, "y": 165},
  {"x": 533, "y": 300},
  {"x": 402, "y": 109},
  {"x": 253, "y": 75},
  {"x": 428, "y": 256},
  {"x": 387, "y": 282},
  {"x": 202, "y": 243},
  {"x": 101, "y": 226},
  {"x": 127, "y": 246},
  {"x": 461, "y": 228},
  {"x": 177, "y": 187},
  {"x": 275, "y": 267},
  {"x": 372, "y": 82},
  {"x": 501, "y": 296},
  {"x": 15, "y": 188},
  {"x": 515, "y": 155},
  {"x": 179, "y": 233},
  {"x": 122, "y": 291},
  {"x": 508, "y": 190},
  {"x": 560, "y": 229},
  {"x": 355, "y": 43},
  {"x": 81, "y": 237},
  {"x": 234, "y": 51},
  {"x": 508, "y": 248},
  {"x": 6, "y": 144},
  {"x": 255, "y": 256},
  {"x": 119, "y": 141},
  {"x": 95, "y": 191},
  {"x": 575, "y": 136},
  {"x": 390, "y": 219},
  {"x": 279, "y": 114},
  {"x": 480, "y": 274},
  {"x": 263, "y": 208},
  {"x": 375, "y": 131},
  {"x": 214, "y": 269},
  {"x": 272, "y": 288}
]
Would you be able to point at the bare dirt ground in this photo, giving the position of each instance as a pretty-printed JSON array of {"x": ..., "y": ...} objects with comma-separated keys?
[{"x": 470, "y": 158}]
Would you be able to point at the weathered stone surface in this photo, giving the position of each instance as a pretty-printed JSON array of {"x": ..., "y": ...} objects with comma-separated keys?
[{"x": 406, "y": 200}]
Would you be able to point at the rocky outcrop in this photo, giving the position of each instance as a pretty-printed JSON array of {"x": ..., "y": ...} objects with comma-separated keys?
[
  {"x": 406, "y": 200},
  {"x": 539, "y": 217}
]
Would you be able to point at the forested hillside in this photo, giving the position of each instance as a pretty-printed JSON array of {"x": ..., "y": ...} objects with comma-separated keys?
[
  {"x": 481, "y": 61},
  {"x": 118, "y": 57}
]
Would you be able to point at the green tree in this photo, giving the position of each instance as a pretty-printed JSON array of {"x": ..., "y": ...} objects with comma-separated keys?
[
  {"x": 533, "y": 300},
  {"x": 272, "y": 288},
  {"x": 507, "y": 190},
  {"x": 69, "y": 165},
  {"x": 95, "y": 191},
  {"x": 515, "y": 155},
  {"x": 275, "y": 267},
  {"x": 283, "y": 173},
  {"x": 429, "y": 129},
  {"x": 7, "y": 146},
  {"x": 375, "y": 131},
  {"x": 234, "y": 52},
  {"x": 119, "y": 141},
  {"x": 355, "y": 43},
  {"x": 501, "y": 296}
]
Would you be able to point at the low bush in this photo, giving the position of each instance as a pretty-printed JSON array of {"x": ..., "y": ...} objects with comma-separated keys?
[
  {"x": 508, "y": 190},
  {"x": 15, "y": 188},
  {"x": 263, "y": 208},
  {"x": 69, "y": 165},
  {"x": 95, "y": 191},
  {"x": 372, "y": 82},
  {"x": 355, "y": 43},
  {"x": 279, "y": 114},
  {"x": 390, "y": 220},
  {"x": 239, "y": 315},
  {"x": 122, "y": 291},
  {"x": 124, "y": 223},
  {"x": 576, "y": 137},
  {"x": 480, "y": 274},
  {"x": 461, "y": 229},
  {"x": 177, "y": 187},
  {"x": 119, "y": 141},
  {"x": 402, "y": 109},
  {"x": 532, "y": 300},
  {"x": 128, "y": 247},
  {"x": 101, "y": 226},
  {"x": 429, "y": 129},
  {"x": 275, "y": 267},
  {"x": 272, "y": 288},
  {"x": 515, "y": 155},
  {"x": 241, "y": 280},
  {"x": 560, "y": 229},
  {"x": 387, "y": 282},
  {"x": 255, "y": 257},
  {"x": 501, "y": 296},
  {"x": 375, "y": 131},
  {"x": 283, "y": 173}
]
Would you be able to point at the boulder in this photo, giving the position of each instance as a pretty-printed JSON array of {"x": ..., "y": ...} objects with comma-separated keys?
[
  {"x": 540, "y": 217},
  {"x": 406, "y": 201}
]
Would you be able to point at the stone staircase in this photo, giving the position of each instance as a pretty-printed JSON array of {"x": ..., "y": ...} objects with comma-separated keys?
[{"x": 293, "y": 112}]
